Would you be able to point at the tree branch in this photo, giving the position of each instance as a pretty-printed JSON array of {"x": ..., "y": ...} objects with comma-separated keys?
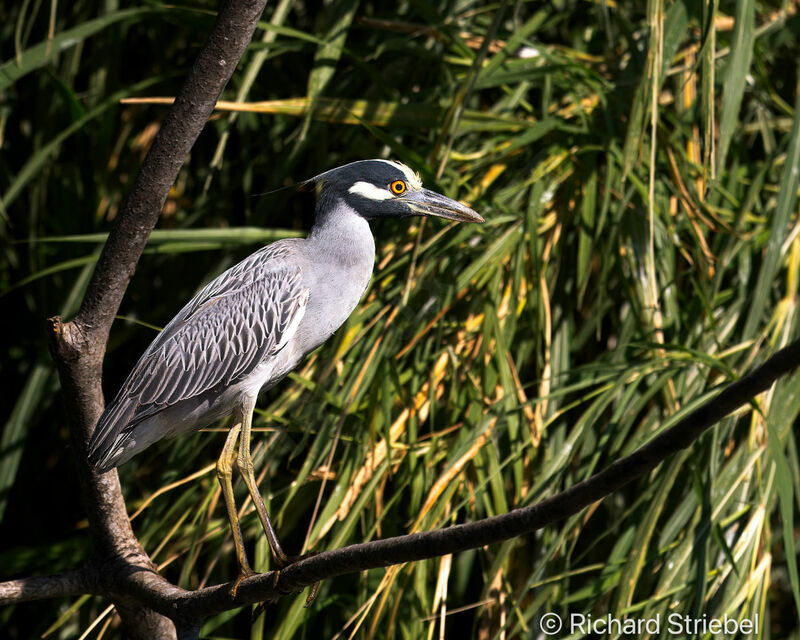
[
  {"x": 78, "y": 346},
  {"x": 189, "y": 608},
  {"x": 58, "y": 585},
  {"x": 473, "y": 535}
]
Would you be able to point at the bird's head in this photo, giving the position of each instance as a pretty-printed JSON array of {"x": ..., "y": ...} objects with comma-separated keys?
[{"x": 388, "y": 189}]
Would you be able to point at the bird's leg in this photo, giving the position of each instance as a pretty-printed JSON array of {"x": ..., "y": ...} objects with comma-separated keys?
[
  {"x": 225, "y": 473},
  {"x": 245, "y": 464}
]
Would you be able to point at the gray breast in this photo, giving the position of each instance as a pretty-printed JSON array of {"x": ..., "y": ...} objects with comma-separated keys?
[{"x": 338, "y": 259}]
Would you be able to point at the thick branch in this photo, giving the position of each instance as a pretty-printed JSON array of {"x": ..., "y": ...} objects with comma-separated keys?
[
  {"x": 185, "y": 120},
  {"x": 58, "y": 585},
  {"x": 78, "y": 346}
]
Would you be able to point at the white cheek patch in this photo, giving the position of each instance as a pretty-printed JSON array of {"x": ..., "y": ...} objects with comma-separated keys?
[{"x": 370, "y": 191}]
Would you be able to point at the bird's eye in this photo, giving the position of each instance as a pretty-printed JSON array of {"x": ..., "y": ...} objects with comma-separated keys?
[{"x": 397, "y": 187}]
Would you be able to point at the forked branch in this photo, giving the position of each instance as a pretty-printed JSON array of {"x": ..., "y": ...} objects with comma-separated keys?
[{"x": 78, "y": 346}]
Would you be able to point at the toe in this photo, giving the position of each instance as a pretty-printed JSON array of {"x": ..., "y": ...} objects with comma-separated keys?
[
  {"x": 284, "y": 561},
  {"x": 312, "y": 593},
  {"x": 244, "y": 572}
]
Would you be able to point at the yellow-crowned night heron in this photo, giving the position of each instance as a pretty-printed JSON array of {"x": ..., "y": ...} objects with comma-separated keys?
[{"x": 255, "y": 323}]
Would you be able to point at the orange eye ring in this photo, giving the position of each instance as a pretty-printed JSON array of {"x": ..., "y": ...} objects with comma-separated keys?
[{"x": 398, "y": 187}]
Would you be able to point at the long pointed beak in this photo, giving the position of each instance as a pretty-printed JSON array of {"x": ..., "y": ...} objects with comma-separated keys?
[{"x": 429, "y": 203}]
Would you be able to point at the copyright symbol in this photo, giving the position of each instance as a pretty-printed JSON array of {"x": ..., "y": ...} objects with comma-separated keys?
[{"x": 550, "y": 624}]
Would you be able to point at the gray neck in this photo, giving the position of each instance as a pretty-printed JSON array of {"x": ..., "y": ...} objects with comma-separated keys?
[
  {"x": 343, "y": 238},
  {"x": 339, "y": 255}
]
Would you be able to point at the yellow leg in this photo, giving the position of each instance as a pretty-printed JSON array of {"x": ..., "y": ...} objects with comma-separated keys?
[
  {"x": 225, "y": 473},
  {"x": 245, "y": 464}
]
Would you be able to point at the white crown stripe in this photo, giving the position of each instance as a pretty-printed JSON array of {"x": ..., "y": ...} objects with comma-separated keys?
[{"x": 412, "y": 178}]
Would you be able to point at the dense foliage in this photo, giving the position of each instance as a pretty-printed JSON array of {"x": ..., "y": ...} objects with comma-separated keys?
[{"x": 638, "y": 168}]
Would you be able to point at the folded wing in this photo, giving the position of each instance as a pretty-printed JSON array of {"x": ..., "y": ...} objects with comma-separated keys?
[{"x": 238, "y": 321}]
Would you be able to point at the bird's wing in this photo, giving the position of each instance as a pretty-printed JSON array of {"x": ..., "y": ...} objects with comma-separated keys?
[
  {"x": 221, "y": 342},
  {"x": 274, "y": 257},
  {"x": 239, "y": 320}
]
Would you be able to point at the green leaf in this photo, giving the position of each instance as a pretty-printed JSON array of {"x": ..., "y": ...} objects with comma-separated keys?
[{"x": 734, "y": 77}]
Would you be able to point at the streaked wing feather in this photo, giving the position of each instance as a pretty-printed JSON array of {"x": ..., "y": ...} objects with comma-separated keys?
[
  {"x": 232, "y": 325},
  {"x": 205, "y": 344}
]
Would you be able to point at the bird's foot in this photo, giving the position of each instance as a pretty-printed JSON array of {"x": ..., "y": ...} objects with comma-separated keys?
[
  {"x": 282, "y": 562},
  {"x": 244, "y": 572}
]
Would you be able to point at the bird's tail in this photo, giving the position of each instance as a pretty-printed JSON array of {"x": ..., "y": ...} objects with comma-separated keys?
[{"x": 109, "y": 434}]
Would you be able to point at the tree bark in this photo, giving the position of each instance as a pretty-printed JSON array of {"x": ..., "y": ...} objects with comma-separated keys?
[{"x": 78, "y": 346}]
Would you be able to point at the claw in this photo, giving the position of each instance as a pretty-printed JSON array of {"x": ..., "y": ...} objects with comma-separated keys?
[
  {"x": 263, "y": 605},
  {"x": 288, "y": 560},
  {"x": 312, "y": 593},
  {"x": 258, "y": 611},
  {"x": 285, "y": 562}
]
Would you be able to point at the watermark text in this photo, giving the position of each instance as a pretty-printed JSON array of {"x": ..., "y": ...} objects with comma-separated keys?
[{"x": 552, "y": 624}]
